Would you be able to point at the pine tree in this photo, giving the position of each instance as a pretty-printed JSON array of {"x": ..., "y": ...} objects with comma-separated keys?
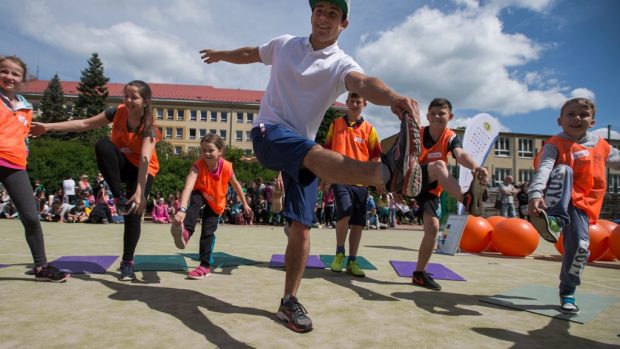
[
  {"x": 52, "y": 103},
  {"x": 92, "y": 95},
  {"x": 92, "y": 90}
]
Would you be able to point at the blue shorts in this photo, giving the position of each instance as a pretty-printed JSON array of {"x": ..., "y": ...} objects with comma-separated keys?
[
  {"x": 282, "y": 149},
  {"x": 351, "y": 202}
]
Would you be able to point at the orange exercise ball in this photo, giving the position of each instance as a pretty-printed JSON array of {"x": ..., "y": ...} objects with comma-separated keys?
[
  {"x": 599, "y": 243},
  {"x": 614, "y": 242},
  {"x": 493, "y": 220},
  {"x": 609, "y": 226},
  {"x": 515, "y": 237},
  {"x": 476, "y": 235}
]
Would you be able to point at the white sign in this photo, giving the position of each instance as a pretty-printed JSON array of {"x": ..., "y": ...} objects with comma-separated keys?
[{"x": 451, "y": 237}]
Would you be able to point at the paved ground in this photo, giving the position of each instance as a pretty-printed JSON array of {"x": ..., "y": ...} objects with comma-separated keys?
[{"x": 235, "y": 307}]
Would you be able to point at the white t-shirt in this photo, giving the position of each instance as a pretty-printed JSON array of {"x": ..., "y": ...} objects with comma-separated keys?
[
  {"x": 68, "y": 185},
  {"x": 303, "y": 84}
]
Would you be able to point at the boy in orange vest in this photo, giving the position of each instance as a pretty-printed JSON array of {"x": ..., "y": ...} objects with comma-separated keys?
[
  {"x": 437, "y": 141},
  {"x": 357, "y": 139},
  {"x": 570, "y": 174}
]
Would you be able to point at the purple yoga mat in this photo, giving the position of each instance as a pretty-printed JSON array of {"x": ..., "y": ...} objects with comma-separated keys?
[
  {"x": 314, "y": 262},
  {"x": 3, "y": 265},
  {"x": 84, "y": 264},
  {"x": 438, "y": 271}
]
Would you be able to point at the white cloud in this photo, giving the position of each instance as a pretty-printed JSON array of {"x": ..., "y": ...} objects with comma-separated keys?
[
  {"x": 602, "y": 132},
  {"x": 583, "y": 93},
  {"x": 467, "y": 57}
]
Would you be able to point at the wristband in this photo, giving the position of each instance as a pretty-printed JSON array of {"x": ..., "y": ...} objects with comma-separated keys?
[{"x": 183, "y": 209}]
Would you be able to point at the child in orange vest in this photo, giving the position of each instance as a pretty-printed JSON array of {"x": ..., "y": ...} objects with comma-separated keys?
[
  {"x": 15, "y": 122},
  {"x": 128, "y": 157},
  {"x": 437, "y": 141},
  {"x": 566, "y": 194},
  {"x": 206, "y": 184}
]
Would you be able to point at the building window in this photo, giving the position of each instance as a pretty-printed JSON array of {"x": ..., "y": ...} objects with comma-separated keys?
[
  {"x": 248, "y": 136},
  {"x": 502, "y": 147},
  {"x": 223, "y": 117},
  {"x": 168, "y": 132},
  {"x": 192, "y": 133},
  {"x": 213, "y": 116},
  {"x": 613, "y": 184},
  {"x": 203, "y": 115},
  {"x": 525, "y": 175},
  {"x": 192, "y": 115},
  {"x": 159, "y": 113},
  {"x": 250, "y": 118},
  {"x": 179, "y": 134},
  {"x": 526, "y": 148},
  {"x": 248, "y": 152},
  {"x": 170, "y": 115},
  {"x": 239, "y": 136},
  {"x": 202, "y": 132},
  {"x": 223, "y": 134},
  {"x": 240, "y": 118},
  {"x": 501, "y": 173},
  {"x": 178, "y": 150},
  {"x": 180, "y": 115},
  {"x": 213, "y": 131}
]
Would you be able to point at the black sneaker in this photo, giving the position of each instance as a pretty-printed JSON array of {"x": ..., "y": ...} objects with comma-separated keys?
[
  {"x": 473, "y": 200},
  {"x": 294, "y": 314},
  {"x": 50, "y": 273},
  {"x": 402, "y": 159},
  {"x": 126, "y": 271},
  {"x": 424, "y": 279},
  {"x": 567, "y": 304}
]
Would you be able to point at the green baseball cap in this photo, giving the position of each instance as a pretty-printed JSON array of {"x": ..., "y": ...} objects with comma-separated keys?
[{"x": 344, "y": 5}]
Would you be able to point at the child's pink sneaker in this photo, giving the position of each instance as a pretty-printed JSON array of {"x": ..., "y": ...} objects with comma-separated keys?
[{"x": 199, "y": 273}]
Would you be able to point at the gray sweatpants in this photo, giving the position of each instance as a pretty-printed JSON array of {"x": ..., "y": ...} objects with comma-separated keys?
[{"x": 575, "y": 231}]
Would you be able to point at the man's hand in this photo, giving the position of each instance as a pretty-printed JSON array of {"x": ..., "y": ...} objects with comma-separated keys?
[{"x": 210, "y": 56}]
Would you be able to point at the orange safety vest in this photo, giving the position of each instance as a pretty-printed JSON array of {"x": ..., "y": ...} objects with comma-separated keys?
[
  {"x": 14, "y": 131},
  {"x": 589, "y": 178},
  {"x": 130, "y": 143},
  {"x": 351, "y": 142},
  {"x": 213, "y": 187},
  {"x": 439, "y": 151}
]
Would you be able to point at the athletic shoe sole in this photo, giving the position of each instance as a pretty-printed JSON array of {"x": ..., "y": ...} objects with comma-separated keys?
[
  {"x": 541, "y": 224},
  {"x": 177, "y": 234},
  {"x": 199, "y": 277}
]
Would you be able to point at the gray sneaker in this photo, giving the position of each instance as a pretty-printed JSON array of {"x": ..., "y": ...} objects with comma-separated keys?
[
  {"x": 402, "y": 159},
  {"x": 548, "y": 227},
  {"x": 294, "y": 314}
]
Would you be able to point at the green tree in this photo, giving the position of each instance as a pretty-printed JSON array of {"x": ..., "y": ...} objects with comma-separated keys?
[
  {"x": 329, "y": 117},
  {"x": 92, "y": 95},
  {"x": 53, "y": 102}
]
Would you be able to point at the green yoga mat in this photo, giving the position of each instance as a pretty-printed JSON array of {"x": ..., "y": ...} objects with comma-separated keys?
[
  {"x": 544, "y": 300},
  {"x": 223, "y": 260},
  {"x": 159, "y": 263},
  {"x": 361, "y": 261}
]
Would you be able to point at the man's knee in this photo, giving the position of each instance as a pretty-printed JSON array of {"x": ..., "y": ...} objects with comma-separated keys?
[{"x": 437, "y": 167}]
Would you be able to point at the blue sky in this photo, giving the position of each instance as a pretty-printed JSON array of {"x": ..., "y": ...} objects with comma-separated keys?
[{"x": 517, "y": 60}]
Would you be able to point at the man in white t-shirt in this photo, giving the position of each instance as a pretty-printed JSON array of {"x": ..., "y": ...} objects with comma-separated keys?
[
  {"x": 307, "y": 75},
  {"x": 68, "y": 187}
]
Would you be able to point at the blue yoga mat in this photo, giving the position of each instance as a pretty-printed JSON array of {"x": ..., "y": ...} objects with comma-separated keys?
[
  {"x": 361, "y": 262},
  {"x": 159, "y": 263},
  {"x": 223, "y": 260},
  {"x": 544, "y": 300}
]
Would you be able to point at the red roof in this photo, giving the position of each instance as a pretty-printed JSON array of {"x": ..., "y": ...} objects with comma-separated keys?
[
  {"x": 164, "y": 91},
  {"x": 161, "y": 91}
]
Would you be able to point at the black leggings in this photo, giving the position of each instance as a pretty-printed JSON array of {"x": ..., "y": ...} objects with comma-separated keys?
[
  {"x": 210, "y": 222},
  {"x": 17, "y": 184},
  {"x": 116, "y": 170}
]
